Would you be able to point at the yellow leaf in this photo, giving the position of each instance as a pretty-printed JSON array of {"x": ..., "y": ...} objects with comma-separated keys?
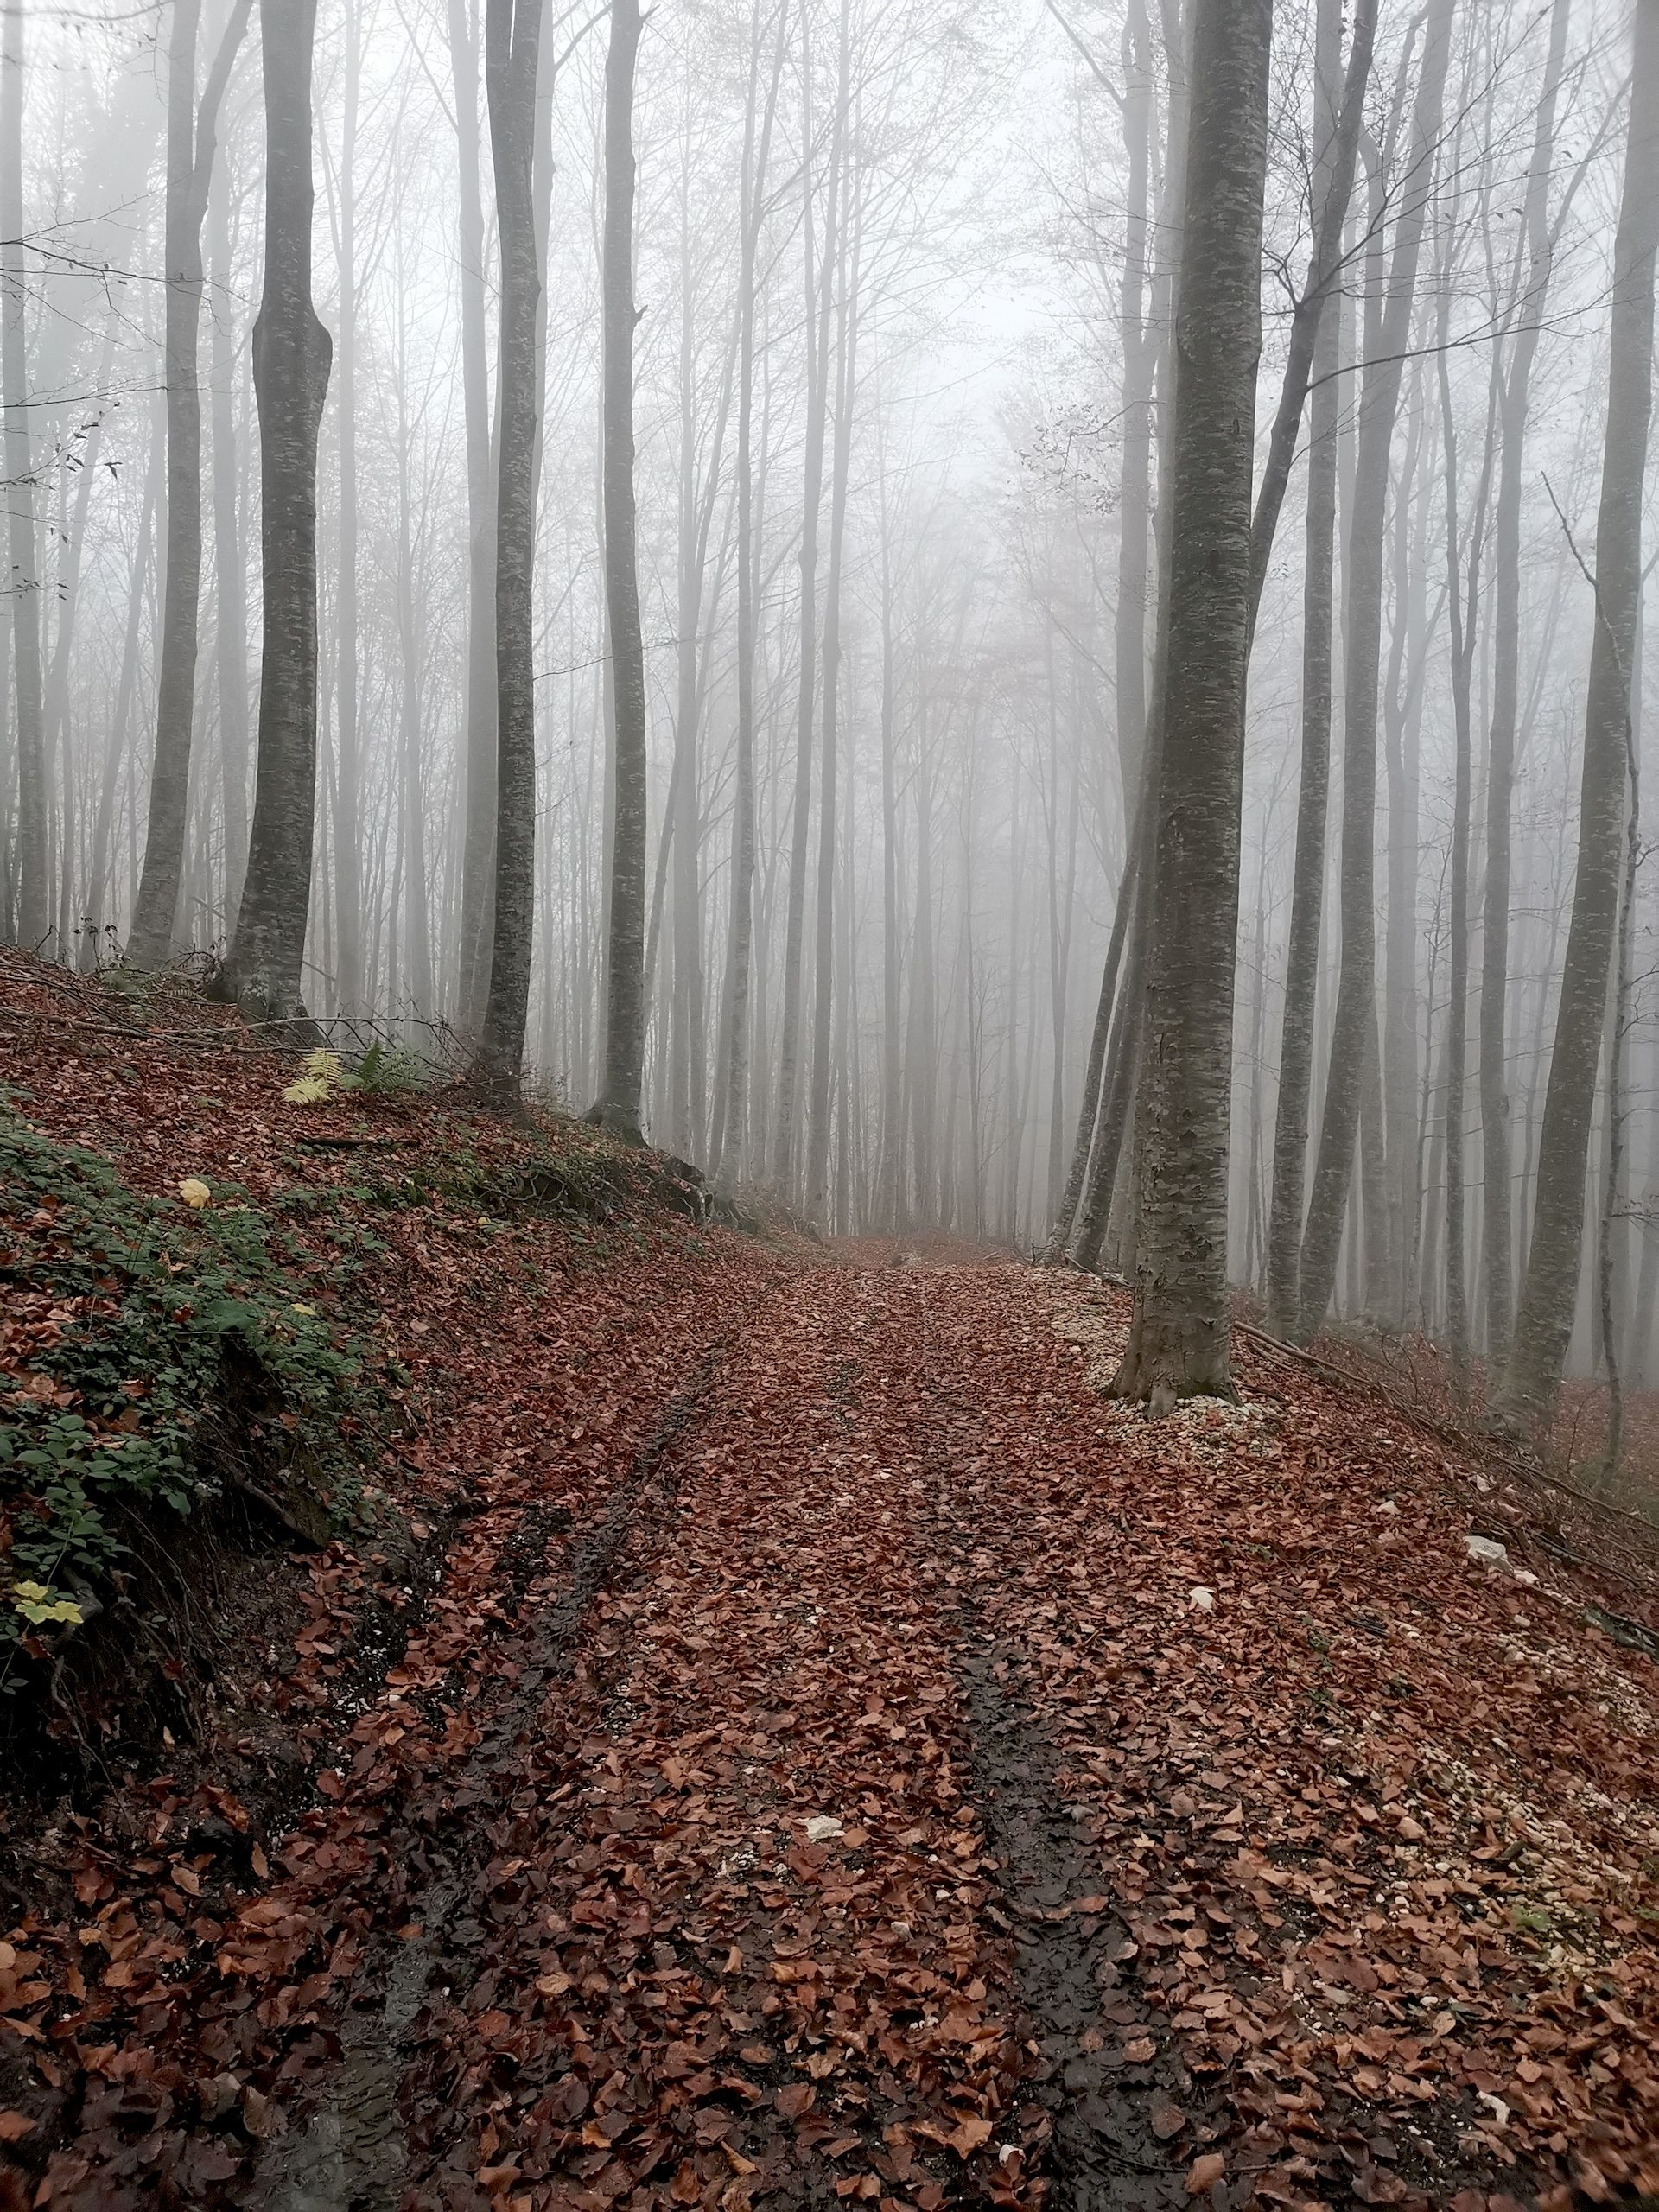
[{"x": 194, "y": 1193}]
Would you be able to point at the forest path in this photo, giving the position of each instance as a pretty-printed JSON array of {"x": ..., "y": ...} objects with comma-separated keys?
[
  {"x": 767, "y": 1886},
  {"x": 846, "y": 1759}
]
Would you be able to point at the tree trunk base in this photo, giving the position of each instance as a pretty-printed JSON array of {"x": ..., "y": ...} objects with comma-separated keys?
[
  {"x": 1166, "y": 1362},
  {"x": 618, "y": 1123},
  {"x": 264, "y": 1006}
]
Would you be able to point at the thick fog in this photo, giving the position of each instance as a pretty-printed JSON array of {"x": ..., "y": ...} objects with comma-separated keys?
[{"x": 799, "y": 752}]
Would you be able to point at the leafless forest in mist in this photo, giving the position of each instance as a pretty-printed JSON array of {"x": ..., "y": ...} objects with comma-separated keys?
[{"x": 704, "y": 565}]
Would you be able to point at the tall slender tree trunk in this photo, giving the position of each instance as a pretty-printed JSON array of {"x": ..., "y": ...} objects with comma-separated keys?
[
  {"x": 819, "y": 269},
  {"x": 1179, "y": 1334},
  {"x": 291, "y": 357},
  {"x": 727, "y": 1145},
  {"x": 846, "y": 351},
  {"x": 1337, "y": 140},
  {"x": 190, "y": 150},
  {"x": 34, "y": 904},
  {"x": 1314, "y": 790},
  {"x": 477, "y": 837},
  {"x": 230, "y": 570},
  {"x": 1610, "y": 1289},
  {"x": 1353, "y": 1033},
  {"x": 98, "y": 901},
  {"x": 1497, "y": 1208},
  {"x": 512, "y": 53},
  {"x": 348, "y": 858},
  {"x": 1138, "y": 344},
  {"x": 681, "y": 828},
  {"x": 1543, "y": 1321},
  {"x": 1066, "y": 1214},
  {"x": 625, "y": 1011},
  {"x": 1457, "y": 1012}
]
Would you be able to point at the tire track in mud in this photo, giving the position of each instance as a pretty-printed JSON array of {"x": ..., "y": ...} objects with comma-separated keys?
[
  {"x": 1104, "y": 2154},
  {"x": 1105, "y": 2073},
  {"x": 353, "y": 2153}
]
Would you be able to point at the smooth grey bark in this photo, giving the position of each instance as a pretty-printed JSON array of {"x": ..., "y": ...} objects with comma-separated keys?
[
  {"x": 1544, "y": 1317},
  {"x": 1292, "y": 1111},
  {"x": 1123, "y": 1058},
  {"x": 1394, "y": 1283},
  {"x": 893, "y": 1113},
  {"x": 511, "y": 52},
  {"x": 1514, "y": 408},
  {"x": 846, "y": 351},
  {"x": 348, "y": 829},
  {"x": 230, "y": 571},
  {"x": 477, "y": 834},
  {"x": 1356, "y": 1011},
  {"x": 33, "y": 901},
  {"x": 625, "y": 1009},
  {"x": 1061, "y": 884},
  {"x": 1139, "y": 344},
  {"x": 1179, "y": 1334},
  {"x": 819, "y": 271},
  {"x": 687, "y": 1057},
  {"x": 1138, "y": 340},
  {"x": 192, "y": 137},
  {"x": 291, "y": 357},
  {"x": 1463, "y": 599},
  {"x": 727, "y": 1137},
  {"x": 1066, "y": 1214},
  {"x": 1123, "y": 1066},
  {"x": 1610, "y": 1222},
  {"x": 1332, "y": 184},
  {"x": 74, "y": 926},
  {"x": 97, "y": 887}
]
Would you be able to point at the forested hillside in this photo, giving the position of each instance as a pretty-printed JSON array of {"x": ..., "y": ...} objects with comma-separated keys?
[{"x": 828, "y": 1105}]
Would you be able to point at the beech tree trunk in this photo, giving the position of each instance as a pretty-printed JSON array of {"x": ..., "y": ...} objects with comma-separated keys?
[
  {"x": 727, "y": 1147},
  {"x": 511, "y": 52},
  {"x": 478, "y": 833},
  {"x": 625, "y": 1010},
  {"x": 1178, "y": 1337},
  {"x": 846, "y": 352},
  {"x": 1543, "y": 1323},
  {"x": 190, "y": 150},
  {"x": 819, "y": 273},
  {"x": 1497, "y": 1206},
  {"x": 291, "y": 357},
  {"x": 1353, "y": 1035},
  {"x": 229, "y": 567},
  {"x": 1313, "y": 789},
  {"x": 348, "y": 833},
  {"x": 33, "y": 897},
  {"x": 1333, "y": 183}
]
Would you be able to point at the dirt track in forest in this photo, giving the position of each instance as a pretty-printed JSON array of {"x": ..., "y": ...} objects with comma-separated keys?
[
  {"x": 905, "y": 1779},
  {"x": 771, "y": 1626}
]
